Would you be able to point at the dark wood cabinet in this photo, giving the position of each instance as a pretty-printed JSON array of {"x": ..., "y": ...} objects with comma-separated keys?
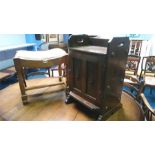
[{"x": 96, "y": 74}]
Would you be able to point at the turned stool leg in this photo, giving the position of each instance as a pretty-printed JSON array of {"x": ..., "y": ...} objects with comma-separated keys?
[
  {"x": 49, "y": 72},
  {"x": 24, "y": 99},
  {"x": 21, "y": 80},
  {"x": 60, "y": 72}
]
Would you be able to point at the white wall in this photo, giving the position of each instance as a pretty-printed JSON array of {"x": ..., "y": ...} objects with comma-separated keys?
[
  {"x": 143, "y": 53},
  {"x": 9, "y": 40},
  {"x": 12, "y": 39},
  {"x": 151, "y": 47}
]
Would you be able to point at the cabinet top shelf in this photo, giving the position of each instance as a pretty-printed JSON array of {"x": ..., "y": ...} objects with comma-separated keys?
[{"x": 91, "y": 49}]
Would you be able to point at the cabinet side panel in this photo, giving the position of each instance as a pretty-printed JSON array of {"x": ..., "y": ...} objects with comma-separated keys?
[{"x": 116, "y": 63}]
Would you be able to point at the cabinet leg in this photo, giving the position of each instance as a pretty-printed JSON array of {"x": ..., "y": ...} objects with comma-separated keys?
[
  {"x": 69, "y": 99},
  {"x": 67, "y": 91}
]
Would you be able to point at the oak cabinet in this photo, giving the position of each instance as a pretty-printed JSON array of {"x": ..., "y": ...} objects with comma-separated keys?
[{"x": 96, "y": 74}]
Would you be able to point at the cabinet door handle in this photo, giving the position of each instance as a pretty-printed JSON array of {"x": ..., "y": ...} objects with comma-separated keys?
[
  {"x": 80, "y": 41},
  {"x": 121, "y": 45}
]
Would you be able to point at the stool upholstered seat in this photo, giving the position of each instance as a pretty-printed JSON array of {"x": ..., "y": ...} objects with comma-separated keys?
[{"x": 40, "y": 55}]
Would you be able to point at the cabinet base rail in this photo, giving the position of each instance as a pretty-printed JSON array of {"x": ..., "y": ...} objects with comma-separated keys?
[{"x": 102, "y": 115}]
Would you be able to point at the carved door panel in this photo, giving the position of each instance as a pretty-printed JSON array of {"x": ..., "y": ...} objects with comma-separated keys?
[
  {"x": 86, "y": 76},
  {"x": 91, "y": 78},
  {"x": 75, "y": 73},
  {"x": 92, "y": 71}
]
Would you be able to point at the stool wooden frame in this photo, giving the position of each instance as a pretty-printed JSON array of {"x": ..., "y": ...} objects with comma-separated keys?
[{"x": 20, "y": 64}]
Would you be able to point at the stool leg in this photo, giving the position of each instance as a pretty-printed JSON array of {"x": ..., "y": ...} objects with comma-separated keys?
[
  {"x": 60, "y": 72},
  {"x": 25, "y": 99},
  {"x": 24, "y": 76},
  {"x": 21, "y": 79},
  {"x": 49, "y": 72}
]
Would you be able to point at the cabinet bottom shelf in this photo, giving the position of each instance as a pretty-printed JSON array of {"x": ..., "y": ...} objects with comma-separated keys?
[
  {"x": 83, "y": 101},
  {"x": 103, "y": 114}
]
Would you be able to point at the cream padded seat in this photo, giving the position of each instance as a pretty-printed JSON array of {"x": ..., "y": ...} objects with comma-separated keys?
[{"x": 40, "y": 55}]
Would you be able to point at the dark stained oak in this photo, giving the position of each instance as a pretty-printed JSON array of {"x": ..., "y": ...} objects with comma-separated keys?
[
  {"x": 91, "y": 49},
  {"x": 96, "y": 73},
  {"x": 52, "y": 107}
]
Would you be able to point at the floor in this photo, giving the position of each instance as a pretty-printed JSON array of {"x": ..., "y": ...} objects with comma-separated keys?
[
  {"x": 7, "y": 72},
  {"x": 53, "y": 106},
  {"x": 46, "y": 107}
]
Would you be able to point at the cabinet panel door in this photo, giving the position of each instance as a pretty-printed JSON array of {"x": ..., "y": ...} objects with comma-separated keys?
[
  {"x": 91, "y": 78},
  {"x": 87, "y": 75},
  {"x": 93, "y": 73},
  {"x": 75, "y": 72}
]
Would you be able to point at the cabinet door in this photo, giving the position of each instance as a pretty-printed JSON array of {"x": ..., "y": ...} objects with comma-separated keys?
[
  {"x": 93, "y": 77},
  {"x": 86, "y": 75},
  {"x": 75, "y": 72}
]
